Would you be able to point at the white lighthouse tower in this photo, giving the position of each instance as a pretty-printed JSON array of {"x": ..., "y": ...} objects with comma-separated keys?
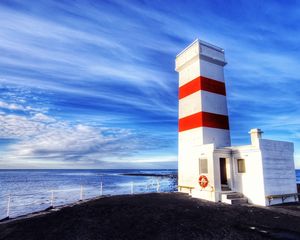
[
  {"x": 203, "y": 115},
  {"x": 208, "y": 166}
]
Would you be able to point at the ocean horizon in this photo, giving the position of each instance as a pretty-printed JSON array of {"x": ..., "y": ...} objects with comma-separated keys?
[{"x": 32, "y": 190}]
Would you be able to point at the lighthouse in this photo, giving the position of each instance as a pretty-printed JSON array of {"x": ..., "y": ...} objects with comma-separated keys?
[
  {"x": 203, "y": 114},
  {"x": 208, "y": 166}
]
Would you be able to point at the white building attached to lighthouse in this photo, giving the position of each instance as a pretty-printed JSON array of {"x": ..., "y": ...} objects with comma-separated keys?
[{"x": 209, "y": 167}]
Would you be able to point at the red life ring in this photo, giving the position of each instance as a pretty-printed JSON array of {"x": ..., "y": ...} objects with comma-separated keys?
[{"x": 203, "y": 181}]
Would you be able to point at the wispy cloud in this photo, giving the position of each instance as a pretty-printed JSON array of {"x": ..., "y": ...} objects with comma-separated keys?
[{"x": 44, "y": 139}]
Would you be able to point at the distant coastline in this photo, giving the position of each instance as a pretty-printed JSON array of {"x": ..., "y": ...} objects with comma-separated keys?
[{"x": 150, "y": 175}]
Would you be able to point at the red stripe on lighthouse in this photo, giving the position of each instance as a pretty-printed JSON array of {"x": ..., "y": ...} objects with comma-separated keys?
[
  {"x": 203, "y": 119},
  {"x": 202, "y": 83}
]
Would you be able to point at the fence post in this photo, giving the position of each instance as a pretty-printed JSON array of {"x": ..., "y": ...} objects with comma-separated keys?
[
  {"x": 131, "y": 187},
  {"x": 8, "y": 206},
  {"x": 52, "y": 199},
  {"x": 101, "y": 189},
  {"x": 81, "y": 193}
]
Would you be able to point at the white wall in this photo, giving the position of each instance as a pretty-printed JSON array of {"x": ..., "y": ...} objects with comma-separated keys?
[
  {"x": 187, "y": 55},
  {"x": 220, "y": 137},
  {"x": 190, "y": 138},
  {"x": 202, "y": 101},
  {"x": 250, "y": 183},
  {"x": 215, "y": 54},
  {"x": 211, "y": 70},
  {"x": 190, "y": 105},
  {"x": 188, "y": 173},
  {"x": 278, "y": 168},
  {"x": 213, "y": 103},
  {"x": 190, "y": 71},
  {"x": 208, "y": 193}
]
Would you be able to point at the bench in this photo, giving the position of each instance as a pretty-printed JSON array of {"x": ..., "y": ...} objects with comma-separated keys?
[
  {"x": 283, "y": 196},
  {"x": 188, "y": 187}
]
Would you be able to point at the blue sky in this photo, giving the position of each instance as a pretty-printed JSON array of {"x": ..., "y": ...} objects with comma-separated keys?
[{"x": 91, "y": 84}]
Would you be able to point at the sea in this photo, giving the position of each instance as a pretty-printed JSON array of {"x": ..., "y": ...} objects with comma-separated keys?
[{"x": 27, "y": 191}]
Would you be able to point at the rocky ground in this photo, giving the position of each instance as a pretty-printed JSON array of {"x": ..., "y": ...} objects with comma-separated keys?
[{"x": 157, "y": 216}]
